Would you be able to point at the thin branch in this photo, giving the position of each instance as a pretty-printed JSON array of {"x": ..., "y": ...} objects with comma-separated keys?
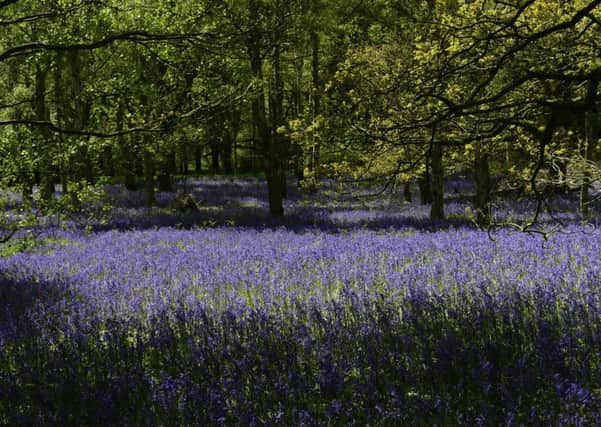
[
  {"x": 215, "y": 105},
  {"x": 29, "y": 18},
  {"x": 53, "y": 127},
  {"x": 581, "y": 14},
  {"x": 133, "y": 36},
  {"x": 158, "y": 127},
  {"x": 8, "y": 236},
  {"x": 14, "y": 104}
]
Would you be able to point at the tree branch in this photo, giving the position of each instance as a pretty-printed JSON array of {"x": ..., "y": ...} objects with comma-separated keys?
[
  {"x": 581, "y": 14},
  {"x": 53, "y": 127},
  {"x": 134, "y": 36},
  {"x": 29, "y": 18}
]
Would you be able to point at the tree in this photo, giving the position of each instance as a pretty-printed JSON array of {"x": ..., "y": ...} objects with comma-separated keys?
[
  {"x": 471, "y": 74},
  {"x": 390, "y": 91},
  {"x": 110, "y": 81}
]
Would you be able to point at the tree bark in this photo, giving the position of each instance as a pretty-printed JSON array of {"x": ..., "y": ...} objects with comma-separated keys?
[
  {"x": 61, "y": 114},
  {"x": 297, "y": 149},
  {"x": 482, "y": 181},
  {"x": 407, "y": 191},
  {"x": 214, "y": 145},
  {"x": 425, "y": 187},
  {"x": 167, "y": 168},
  {"x": 83, "y": 164},
  {"x": 226, "y": 153},
  {"x": 184, "y": 159},
  {"x": 171, "y": 161},
  {"x": 277, "y": 151},
  {"x": 107, "y": 166},
  {"x": 315, "y": 100},
  {"x": 165, "y": 182},
  {"x": 41, "y": 112},
  {"x": 437, "y": 209},
  {"x": 586, "y": 151},
  {"x": 231, "y": 129},
  {"x": 197, "y": 158},
  {"x": 259, "y": 115},
  {"x": 149, "y": 169},
  {"x": 126, "y": 162}
]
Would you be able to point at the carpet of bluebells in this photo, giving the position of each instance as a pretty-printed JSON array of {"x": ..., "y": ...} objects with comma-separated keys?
[{"x": 348, "y": 312}]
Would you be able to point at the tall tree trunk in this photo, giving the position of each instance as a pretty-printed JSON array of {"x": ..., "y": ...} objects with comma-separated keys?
[
  {"x": 259, "y": 115},
  {"x": 83, "y": 164},
  {"x": 299, "y": 163},
  {"x": 107, "y": 164},
  {"x": 437, "y": 210},
  {"x": 213, "y": 138},
  {"x": 236, "y": 125},
  {"x": 165, "y": 181},
  {"x": 407, "y": 191},
  {"x": 425, "y": 186},
  {"x": 586, "y": 151},
  {"x": 230, "y": 134},
  {"x": 482, "y": 181},
  {"x": 214, "y": 146},
  {"x": 184, "y": 160},
  {"x": 315, "y": 100},
  {"x": 65, "y": 167},
  {"x": 126, "y": 162},
  {"x": 226, "y": 144},
  {"x": 226, "y": 153},
  {"x": 277, "y": 151},
  {"x": 41, "y": 112},
  {"x": 167, "y": 168},
  {"x": 197, "y": 158},
  {"x": 149, "y": 169},
  {"x": 297, "y": 149}
]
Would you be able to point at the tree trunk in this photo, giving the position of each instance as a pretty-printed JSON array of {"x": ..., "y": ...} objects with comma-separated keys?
[
  {"x": 316, "y": 100},
  {"x": 126, "y": 162},
  {"x": 297, "y": 148},
  {"x": 275, "y": 190},
  {"x": 184, "y": 160},
  {"x": 437, "y": 210},
  {"x": 167, "y": 168},
  {"x": 171, "y": 161},
  {"x": 148, "y": 159},
  {"x": 586, "y": 151},
  {"x": 214, "y": 142},
  {"x": 482, "y": 181},
  {"x": 41, "y": 112},
  {"x": 226, "y": 154},
  {"x": 107, "y": 166},
  {"x": 230, "y": 133},
  {"x": 277, "y": 152},
  {"x": 425, "y": 187},
  {"x": 197, "y": 158},
  {"x": 214, "y": 157},
  {"x": 259, "y": 116},
  {"x": 407, "y": 191},
  {"x": 165, "y": 182},
  {"x": 61, "y": 116},
  {"x": 299, "y": 164},
  {"x": 83, "y": 165}
]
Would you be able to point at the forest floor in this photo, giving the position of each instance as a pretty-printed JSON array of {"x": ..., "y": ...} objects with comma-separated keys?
[{"x": 350, "y": 310}]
